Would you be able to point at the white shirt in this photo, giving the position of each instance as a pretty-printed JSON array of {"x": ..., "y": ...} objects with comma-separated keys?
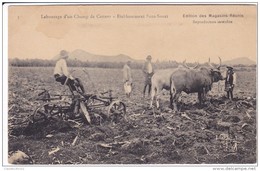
[
  {"x": 234, "y": 78},
  {"x": 61, "y": 68},
  {"x": 127, "y": 73},
  {"x": 149, "y": 68}
]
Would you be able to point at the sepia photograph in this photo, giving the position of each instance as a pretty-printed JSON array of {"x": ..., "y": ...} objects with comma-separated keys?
[{"x": 155, "y": 84}]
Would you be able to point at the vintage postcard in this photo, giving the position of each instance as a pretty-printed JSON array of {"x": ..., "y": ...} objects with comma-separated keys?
[{"x": 131, "y": 84}]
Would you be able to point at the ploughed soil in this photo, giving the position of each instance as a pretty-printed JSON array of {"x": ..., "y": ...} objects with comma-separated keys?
[{"x": 220, "y": 131}]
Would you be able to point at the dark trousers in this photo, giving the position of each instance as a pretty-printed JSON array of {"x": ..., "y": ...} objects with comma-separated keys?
[
  {"x": 148, "y": 82},
  {"x": 149, "y": 89},
  {"x": 231, "y": 94},
  {"x": 229, "y": 89},
  {"x": 62, "y": 79},
  {"x": 72, "y": 86}
]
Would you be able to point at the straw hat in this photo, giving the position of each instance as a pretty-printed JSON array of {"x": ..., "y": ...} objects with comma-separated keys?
[
  {"x": 229, "y": 67},
  {"x": 149, "y": 57},
  {"x": 64, "y": 54}
]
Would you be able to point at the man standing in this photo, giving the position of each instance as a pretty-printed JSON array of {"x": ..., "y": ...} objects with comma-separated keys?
[
  {"x": 148, "y": 71},
  {"x": 230, "y": 82},
  {"x": 127, "y": 78}
]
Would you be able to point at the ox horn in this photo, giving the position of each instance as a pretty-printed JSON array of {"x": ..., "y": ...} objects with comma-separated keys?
[
  {"x": 184, "y": 64},
  {"x": 196, "y": 66},
  {"x": 210, "y": 64},
  {"x": 219, "y": 63}
]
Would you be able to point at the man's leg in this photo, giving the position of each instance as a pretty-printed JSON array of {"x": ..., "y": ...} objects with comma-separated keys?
[
  {"x": 61, "y": 79},
  {"x": 231, "y": 94},
  {"x": 78, "y": 83},
  {"x": 70, "y": 84},
  {"x": 149, "y": 89},
  {"x": 144, "y": 90}
]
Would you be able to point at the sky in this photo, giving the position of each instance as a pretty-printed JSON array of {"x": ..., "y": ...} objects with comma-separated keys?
[{"x": 166, "y": 32}]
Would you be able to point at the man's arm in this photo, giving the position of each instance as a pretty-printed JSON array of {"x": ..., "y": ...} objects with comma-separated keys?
[
  {"x": 144, "y": 68},
  {"x": 129, "y": 75},
  {"x": 234, "y": 78},
  {"x": 125, "y": 74},
  {"x": 65, "y": 68},
  {"x": 152, "y": 68}
]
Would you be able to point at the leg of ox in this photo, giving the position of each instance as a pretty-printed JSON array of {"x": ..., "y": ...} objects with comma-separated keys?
[
  {"x": 200, "y": 97},
  {"x": 157, "y": 101},
  {"x": 174, "y": 101},
  {"x": 153, "y": 95},
  {"x": 174, "y": 97}
]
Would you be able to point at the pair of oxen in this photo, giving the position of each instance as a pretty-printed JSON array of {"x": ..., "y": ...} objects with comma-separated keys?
[{"x": 198, "y": 79}]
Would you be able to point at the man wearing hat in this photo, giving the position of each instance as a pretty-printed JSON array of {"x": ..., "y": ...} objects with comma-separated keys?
[
  {"x": 148, "y": 71},
  {"x": 230, "y": 82},
  {"x": 61, "y": 73}
]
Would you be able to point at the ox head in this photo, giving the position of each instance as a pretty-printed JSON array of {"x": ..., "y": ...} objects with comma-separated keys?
[{"x": 215, "y": 72}]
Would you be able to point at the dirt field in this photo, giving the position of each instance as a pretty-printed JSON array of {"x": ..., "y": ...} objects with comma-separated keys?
[{"x": 221, "y": 132}]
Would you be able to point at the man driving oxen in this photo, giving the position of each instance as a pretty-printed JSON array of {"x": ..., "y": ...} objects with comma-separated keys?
[{"x": 230, "y": 82}]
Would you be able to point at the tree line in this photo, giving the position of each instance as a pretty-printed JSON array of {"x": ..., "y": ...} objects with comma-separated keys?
[{"x": 91, "y": 64}]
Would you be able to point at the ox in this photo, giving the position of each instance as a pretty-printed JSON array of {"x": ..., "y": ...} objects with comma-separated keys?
[
  {"x": 162, "y": 80},
  {"x": 198, "y": 80},
  {"x": 190, "y": 80}
]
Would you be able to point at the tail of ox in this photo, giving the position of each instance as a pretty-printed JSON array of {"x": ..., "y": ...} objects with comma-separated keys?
[{"x": 174, "y": 95}]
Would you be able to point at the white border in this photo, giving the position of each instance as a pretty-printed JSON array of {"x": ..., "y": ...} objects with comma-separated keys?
[
  {"x": 5, "y": 84},
  {"x": 4, "y": 77}
]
